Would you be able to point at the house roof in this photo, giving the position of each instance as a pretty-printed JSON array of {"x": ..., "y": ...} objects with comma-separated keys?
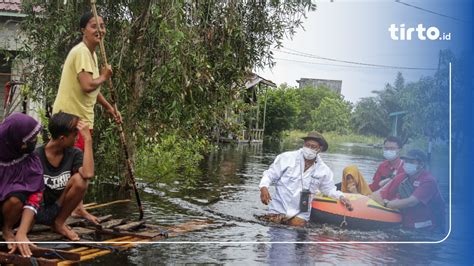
[
  {"x": 254, "y": 79},
  {"x": 314, "y": 79},
  {"x": 10, "y": 6}
]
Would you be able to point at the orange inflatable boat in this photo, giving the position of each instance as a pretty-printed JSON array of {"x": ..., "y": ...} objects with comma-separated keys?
[{"x": 366, "y": 214}]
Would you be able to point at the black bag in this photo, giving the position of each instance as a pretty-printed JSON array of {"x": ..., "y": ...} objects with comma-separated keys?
[{"x": 406, "y": 188}]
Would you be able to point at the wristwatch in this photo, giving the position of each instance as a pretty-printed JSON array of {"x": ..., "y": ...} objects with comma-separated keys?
[{"x": 385, "y": 202}]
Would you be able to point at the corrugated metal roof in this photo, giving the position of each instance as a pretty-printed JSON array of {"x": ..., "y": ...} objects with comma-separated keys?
[
  {"x": 254, "y": 79},
  {"x": 10, "y": 6}
]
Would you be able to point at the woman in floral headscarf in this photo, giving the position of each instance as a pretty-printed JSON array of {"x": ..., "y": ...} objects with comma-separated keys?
[{"x": 21, "y": 178}]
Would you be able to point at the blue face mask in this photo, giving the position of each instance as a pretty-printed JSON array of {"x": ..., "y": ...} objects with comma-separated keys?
[{"x": 410, "y": 168}]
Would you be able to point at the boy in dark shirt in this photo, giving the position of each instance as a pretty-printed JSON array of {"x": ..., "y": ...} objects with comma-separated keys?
[{"x": 66, "y": 172}]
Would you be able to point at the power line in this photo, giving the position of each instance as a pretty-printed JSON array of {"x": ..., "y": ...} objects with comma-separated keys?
[
  {"x": 323, "y": 64},
  {"x": 429, "y": 11},
  {"x": 348, "y": 66},
  {"x": 307, "y": 55}
]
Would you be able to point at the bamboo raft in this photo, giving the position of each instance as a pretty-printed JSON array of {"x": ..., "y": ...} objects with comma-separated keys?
[{"x": 116, "y": 236}]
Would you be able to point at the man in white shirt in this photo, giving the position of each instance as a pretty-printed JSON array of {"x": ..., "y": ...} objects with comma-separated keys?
[{"x": 298, "y": 175}]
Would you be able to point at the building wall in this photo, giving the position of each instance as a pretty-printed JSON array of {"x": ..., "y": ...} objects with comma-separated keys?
[
  {"x": 334, "y": 85},
  {"x": 10, "y": 37},
  {"x": 4, "y": 78},
  {"x": 10, "y": 41},
  {"x": 8, "y": 31}
]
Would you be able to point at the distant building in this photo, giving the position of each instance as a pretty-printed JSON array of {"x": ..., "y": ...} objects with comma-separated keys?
[
  {"x": 12, "y": 71},
  {"x": 252, "y": 120},
  {"x": 334, "y": 85}
]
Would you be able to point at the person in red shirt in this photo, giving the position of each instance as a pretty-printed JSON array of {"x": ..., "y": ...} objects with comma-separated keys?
[
  {"x": 415, "y": 192},
  {"x": 392, "y": 165}
]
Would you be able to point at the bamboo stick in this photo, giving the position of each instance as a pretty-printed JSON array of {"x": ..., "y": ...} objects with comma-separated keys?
[
  {"x": 79, "y": 249},
  {"x": 131, "y": 172},
  {"x": 67, "y": 262},
  {"x": 112, "y": 223},
  {"x": 129, "y": 226},
  {"x": 92, "y": 253},
  {"x": 90, "y": 204},
  {"x": 95, "y": 255},
  {"x": 89, "y": 251},
  {"x": 107, "y": 204},
  {"x": 118, "y": 239}
]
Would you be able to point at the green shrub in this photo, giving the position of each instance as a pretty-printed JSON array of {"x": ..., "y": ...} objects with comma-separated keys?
[{"x": 169, "y": 157}]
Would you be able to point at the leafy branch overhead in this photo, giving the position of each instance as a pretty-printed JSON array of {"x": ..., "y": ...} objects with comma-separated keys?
[{"x": 178, "y": 65}]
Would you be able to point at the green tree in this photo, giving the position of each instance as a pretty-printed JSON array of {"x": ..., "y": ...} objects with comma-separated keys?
[
  {"x": 178, "y": 65},
  {"x": 428, "y": 108},
  {"x": 333, "y": 114},
  {"x": 389, "y": 97},
  {"x": 282, "y": 110},
  {"x": 425, "y": 102},
  {"x": 370, "y": 118},
  {"x": 310, "y": 99}
]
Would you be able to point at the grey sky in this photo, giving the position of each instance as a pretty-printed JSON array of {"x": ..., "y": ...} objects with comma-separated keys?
[{"x": 358, "y": 31}]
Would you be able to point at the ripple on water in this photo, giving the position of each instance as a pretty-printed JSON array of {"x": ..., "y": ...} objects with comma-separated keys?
[{"x": 229, "y": 186}]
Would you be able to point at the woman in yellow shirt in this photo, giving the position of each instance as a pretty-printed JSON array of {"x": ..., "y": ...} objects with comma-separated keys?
[{"x": 79, "y": 88}]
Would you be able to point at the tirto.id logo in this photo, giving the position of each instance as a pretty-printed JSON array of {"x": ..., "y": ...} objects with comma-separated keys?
[{"x": 402, "y": 33}]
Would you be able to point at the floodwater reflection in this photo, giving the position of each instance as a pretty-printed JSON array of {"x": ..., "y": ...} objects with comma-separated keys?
[{"x": 227, "y": 192}]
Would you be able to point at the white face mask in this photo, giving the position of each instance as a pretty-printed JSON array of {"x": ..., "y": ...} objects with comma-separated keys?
[
  {"x": 309, "y": 154},
  {"x": 410, "y": 168},
  {"x": 390, "y": 154}
]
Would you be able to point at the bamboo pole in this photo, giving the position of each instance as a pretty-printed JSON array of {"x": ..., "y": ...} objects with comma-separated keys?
[
  {"x": 90, "y": 207},
  {"x": 89, "y": 251},
  {"x": 95, "y": 255},
  {"x": 66, "y": 262},
  {"x": 130, "y": 169},
  {"x": 118, "y": 239},
  {"x": 78, "y": 250},
  {"x": 128, "y": 244},
  {"x": 264, "y": 112}
]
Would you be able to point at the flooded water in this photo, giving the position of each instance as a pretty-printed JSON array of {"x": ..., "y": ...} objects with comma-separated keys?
[{"x": 227, "y": 193}]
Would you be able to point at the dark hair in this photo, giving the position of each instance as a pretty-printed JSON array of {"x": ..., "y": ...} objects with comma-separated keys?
[
  {"x": 85, "y": 18},
  {"x": 394, "y": 139},
  {"x": 82, "y": 24},
  {"x": 416, "y": 154},
  {"x": 62, "y": 124}
]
